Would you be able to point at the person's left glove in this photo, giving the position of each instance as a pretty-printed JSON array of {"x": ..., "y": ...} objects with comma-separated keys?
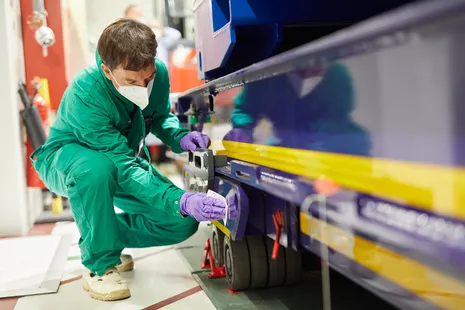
[
  {"x": 204, "y": 208},
  {"x": 194, "y": 140}
]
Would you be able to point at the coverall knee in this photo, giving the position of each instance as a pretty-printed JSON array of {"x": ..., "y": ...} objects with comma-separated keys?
[{"x": 88, "y": 179}]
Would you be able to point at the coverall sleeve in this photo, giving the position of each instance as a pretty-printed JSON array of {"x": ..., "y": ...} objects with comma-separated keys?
[
  {"x": 91, "y": 122},
  {"x": 165, "y": 125}
]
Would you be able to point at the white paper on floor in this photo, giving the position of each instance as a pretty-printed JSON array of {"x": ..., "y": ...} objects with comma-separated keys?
[{"x": 32, "y": 265}]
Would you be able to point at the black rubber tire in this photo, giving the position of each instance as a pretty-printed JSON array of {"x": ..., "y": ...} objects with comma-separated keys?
[
  {"x": 293, "y": 266},
  {"x": 258, "y": 262},
  {"x": 237, "y": 264},
  {"x": 276, "y": 267},
  {"x": 217, "y": 246}
]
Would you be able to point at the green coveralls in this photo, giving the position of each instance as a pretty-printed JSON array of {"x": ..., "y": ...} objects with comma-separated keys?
[{"x": 89, "y": 157}]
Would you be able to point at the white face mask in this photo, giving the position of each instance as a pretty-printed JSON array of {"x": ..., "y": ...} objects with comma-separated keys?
[{"x": 136, "y": 94}]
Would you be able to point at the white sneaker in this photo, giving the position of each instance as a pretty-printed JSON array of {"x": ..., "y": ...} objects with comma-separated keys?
[
  {"x": 110, "y": 286},
  {"x": 127, "y": 263}
]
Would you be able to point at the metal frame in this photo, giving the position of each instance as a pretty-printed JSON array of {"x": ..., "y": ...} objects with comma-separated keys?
[{"x": 364, "y": 37}]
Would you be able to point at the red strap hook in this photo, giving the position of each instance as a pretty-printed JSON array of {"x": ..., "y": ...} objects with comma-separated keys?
[{"x": 278, "y": 221}]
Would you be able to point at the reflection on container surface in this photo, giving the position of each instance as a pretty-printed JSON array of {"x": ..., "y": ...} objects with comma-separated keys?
[
  {"x": 385, "y": 126},
  {"x": 301, "y": 110}
]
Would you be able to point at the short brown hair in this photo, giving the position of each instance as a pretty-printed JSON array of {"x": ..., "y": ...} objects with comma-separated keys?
[{"x": 127, "y": 43}]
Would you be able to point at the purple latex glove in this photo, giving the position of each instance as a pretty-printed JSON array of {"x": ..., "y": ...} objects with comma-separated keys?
[
  {"x": 237, "y": 135},
  {"x": 194, "y": 140},
  {"x": 204, "y": 208}
]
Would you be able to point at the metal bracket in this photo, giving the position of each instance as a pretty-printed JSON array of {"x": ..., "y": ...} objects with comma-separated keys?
[{"x": 200, "y": 170}]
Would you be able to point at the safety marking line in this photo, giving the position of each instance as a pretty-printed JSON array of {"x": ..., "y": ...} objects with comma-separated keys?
[
  {"x": 9, "y": 237},
  {"x": 8, "y": 303},
  {"x": 41, "y": 229},
  {"x": 174, "y": 298},
  {"x": 70, "y": 280}
]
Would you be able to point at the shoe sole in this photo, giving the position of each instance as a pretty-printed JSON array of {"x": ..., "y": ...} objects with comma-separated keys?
[{"x": 113, "y": 296}]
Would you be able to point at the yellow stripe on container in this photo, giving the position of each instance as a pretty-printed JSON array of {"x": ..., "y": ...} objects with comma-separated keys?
[
  {"x": 437, "y": 288},
  {"x": 434, "y": 188}
]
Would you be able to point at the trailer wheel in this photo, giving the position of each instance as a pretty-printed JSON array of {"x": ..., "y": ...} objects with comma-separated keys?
[
  {"x": 293, "y": 266},
  {"x": 217, "y": 246},
  {"x": 276, "y": 267},
  {"x": 258, "y": 262},
  {"x": 237, "y": 264}
]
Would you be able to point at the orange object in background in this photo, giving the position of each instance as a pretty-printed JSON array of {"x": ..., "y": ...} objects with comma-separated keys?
[
  {"x": 226, "y": 97},
  {"x": 183, "y": 69},
  {"x": 42, "y": 102},
  {"x": 154, "y": 151},
  {"x": 183, "y": 74}
]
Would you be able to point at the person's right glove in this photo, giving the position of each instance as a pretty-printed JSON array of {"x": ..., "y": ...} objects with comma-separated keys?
[
  {"x": 194, "y": 140},
  {"x": 205, "y": 208}
]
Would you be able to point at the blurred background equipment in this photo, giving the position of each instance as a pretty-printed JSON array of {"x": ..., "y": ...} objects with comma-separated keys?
[
  {"x": 36, "y": 117},
  {"x": 183, "y": 66},
  {"x": 44, "y": 35},
  {"x": 31, "y": 116}
]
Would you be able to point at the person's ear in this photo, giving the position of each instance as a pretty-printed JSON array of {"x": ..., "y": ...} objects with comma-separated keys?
[{"x": 106, "y": 71}]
